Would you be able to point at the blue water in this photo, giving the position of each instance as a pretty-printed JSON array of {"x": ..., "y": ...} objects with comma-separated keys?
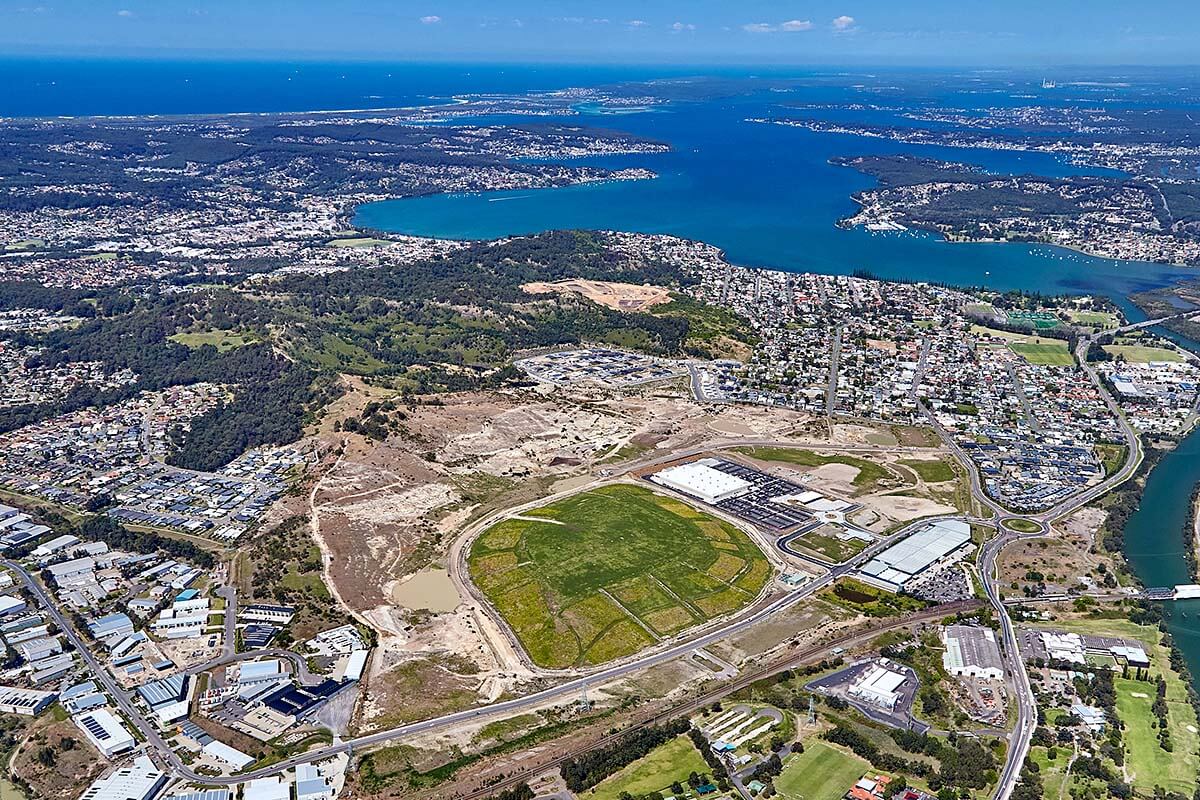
[{"x": 767, "y": 196}]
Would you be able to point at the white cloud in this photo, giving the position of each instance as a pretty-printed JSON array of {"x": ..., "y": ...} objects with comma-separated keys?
[
  {"x": 432, "y": 19},
  {"x": 843, "y": 23},
  {"x": 636, "y": 23},
  {"x": 679, "y": 27},
  {"x": 791, "y": 26},
  {"x": 124, "y": 12}
]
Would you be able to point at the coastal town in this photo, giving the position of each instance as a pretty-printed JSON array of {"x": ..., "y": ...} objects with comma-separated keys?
[{"x": 294, "y": 507}]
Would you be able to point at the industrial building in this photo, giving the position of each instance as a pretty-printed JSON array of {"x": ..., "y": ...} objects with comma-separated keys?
[
  {"x": 28, "y": 702},
  {"x": 106, "y": 733},
  {"x": 971, "y": 652},
  {"x": 142, "y": 780},
  {"x": 932, "y": 545},
  {"x": 879, "y": 686},
  {"x": 701, "y": 480}
]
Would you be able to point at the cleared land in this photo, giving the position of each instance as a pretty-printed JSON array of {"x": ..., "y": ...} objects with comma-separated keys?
[
  {"x": 673, "y": 761},
  {"x": 614, "y": 295},
  {"x": 869, "y": 472},
  {"x": 602, "y": 574},
  {"x": 222, "y": 340},
  {"x": 360, "y": 241},
  {"x": 821, "y": 772},
  {"x": 931, "y": 470}
]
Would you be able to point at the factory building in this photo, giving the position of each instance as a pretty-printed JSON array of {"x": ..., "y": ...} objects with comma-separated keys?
[
  {"x": 971, "y": 652},
  {"x": 700, "y": 480}
]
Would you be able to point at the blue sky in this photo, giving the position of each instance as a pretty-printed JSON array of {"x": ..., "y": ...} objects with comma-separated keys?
[{"x": 1014, "y": 32}]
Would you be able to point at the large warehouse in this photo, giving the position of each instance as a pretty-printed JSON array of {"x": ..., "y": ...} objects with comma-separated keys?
[
  {"x": 971, "y": 652},
  {"x": 698, "y": 479},
  {"x": 879, "y": 686},
  {"x": 913, "y": 555}
]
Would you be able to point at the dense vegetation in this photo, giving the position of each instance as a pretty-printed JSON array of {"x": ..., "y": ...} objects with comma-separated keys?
[{"x": 589, "y": 769}]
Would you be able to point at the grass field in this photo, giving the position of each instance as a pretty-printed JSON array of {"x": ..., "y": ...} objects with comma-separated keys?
[
  {"x": 869, "y": 473},
  {"x": 1096, "y": 319},
  {"x": 830, "y": 547},
  {"x": 222, "y": 340},
  {"x": 359, "y": 241},
  {"x": 932, "y": 471},
  {"x": 661, "y": 767},
  {"x": 1151, "y": 765},
  {"x": 821, "y": 772},
  {"x": 1139, "y": 354},
  {"x": 1021, "y": 525},
  {"x": 600, "y": 575},
  {"x": 1050, "y": 352}
]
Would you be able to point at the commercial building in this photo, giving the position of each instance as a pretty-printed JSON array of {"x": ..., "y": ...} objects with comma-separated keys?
[
  {"x": 281, "y": 615},
  {"x": 229, "y": 755},
  {"x": 699, "y": 479},
  {"x": 28, "y": 702},
  {"x": 878, "y": 686},
  {"x": 912, "y": 556},
  {"x": 311, "y": 784},
  {"x": 142, "y": 780},
  {"x": 11, "y": 605},
  {"x": 274, "y": 788},
  {"x": 972, "y": 652},
  {"x": 106, "y": 733}
]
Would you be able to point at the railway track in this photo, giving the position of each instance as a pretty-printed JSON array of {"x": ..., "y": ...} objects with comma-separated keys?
[{"x": 524, "y": 774}]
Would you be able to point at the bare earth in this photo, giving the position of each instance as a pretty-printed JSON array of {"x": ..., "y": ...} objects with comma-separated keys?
[{"x": 617, "y": 296}]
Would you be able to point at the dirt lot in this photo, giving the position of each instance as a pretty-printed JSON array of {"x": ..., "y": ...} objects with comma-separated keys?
[
  {"x": 617, "y": 296},
  {"x": 1062, "y": 560},
  {"x": 69, "y": 765}
]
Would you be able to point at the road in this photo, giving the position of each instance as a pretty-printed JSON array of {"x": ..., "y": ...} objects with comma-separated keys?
[{"x": 1025, "y": 705}]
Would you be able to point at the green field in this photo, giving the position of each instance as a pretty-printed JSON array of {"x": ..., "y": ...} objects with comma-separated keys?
[
  {"x": 830, "y": 547},
  {"x": 601, "y": 574},
  {"x": 1050, "y": 352},
  {"x": 869, "y": 473},
  {"x": 1096, "y": 319},
  {"x": 1021, "y": 525},
  {"x": 1149, "y": 764},
  {"x": 931, "y": 471},
  {"x": 1137, "y": 354},
  {"x": 821, "y": 772},
  {"x": 222, "y": 340},
  {"x": 673, "y": 761},
  {"x": 359, "y": 241}
]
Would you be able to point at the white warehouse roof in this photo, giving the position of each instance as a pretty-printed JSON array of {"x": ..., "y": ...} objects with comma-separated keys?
[{"x": 698, "y": 479}]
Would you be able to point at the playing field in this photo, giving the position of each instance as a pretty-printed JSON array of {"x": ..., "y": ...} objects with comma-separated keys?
[
  {"x": 1049, "y": 352},
  {"x": 604, "y": 573},
  {"x": 1137, "y": 354},
  {"x": 819, "y": 773},
  {"x": 673, "y": 761}
]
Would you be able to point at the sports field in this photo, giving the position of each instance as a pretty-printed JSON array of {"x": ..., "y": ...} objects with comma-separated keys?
[
  {"x": 821, "y": 772},
  {"x": 1137, "y": 354},
  {"x": 1050, "y": 352},
  {"x": 673, "y": 761},
  {"x": 604, "y": 573}
]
